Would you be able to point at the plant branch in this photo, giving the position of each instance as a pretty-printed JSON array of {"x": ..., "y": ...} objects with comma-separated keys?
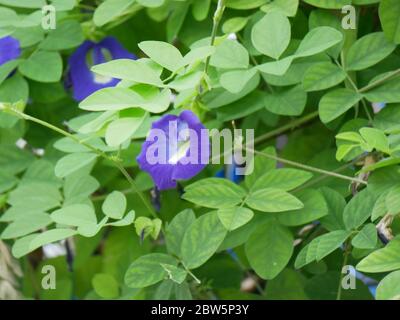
[{"x": 100, "y": 153}]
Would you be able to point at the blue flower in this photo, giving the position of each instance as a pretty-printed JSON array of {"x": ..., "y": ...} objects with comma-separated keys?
[
  {"x": 83, "y": 81},
  {"x": 9, "y": 49},
  {"x": 177, "y": 148}
]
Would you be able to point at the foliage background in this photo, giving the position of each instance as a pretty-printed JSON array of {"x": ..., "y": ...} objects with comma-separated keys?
[{"x": 325, "y": 191}]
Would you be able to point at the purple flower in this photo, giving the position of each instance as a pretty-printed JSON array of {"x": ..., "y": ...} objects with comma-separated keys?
[
  {"x": 177, "y": 148},
  {"x": 9, "y": 50},
  {"x": 84, "y": 82}
]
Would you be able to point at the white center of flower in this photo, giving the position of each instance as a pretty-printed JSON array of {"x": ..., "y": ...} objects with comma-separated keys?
[{"x": 182, "y": 150}]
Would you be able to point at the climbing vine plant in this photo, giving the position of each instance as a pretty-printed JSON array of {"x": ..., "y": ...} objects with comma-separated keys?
[{"x": 316, "y": 216}]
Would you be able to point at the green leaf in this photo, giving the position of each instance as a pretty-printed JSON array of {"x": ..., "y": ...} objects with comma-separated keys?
[
  {"x": 389, "y": 14},
  {"x": 214, "y": 193},
  {"x": 34, "y": 195},
  {"x": 147, "y": 270},
  {"x": 33, "y": 67},
  {"x": 376, "y": 139},
  {"x": 235, "y": 81},
  {"x": 175, "y": 231},
  {"x": 123, "y": 129},
  {"x": 67, "y": 35},
  {"x": 31, "y": 4},
  {"x": 336, "y": 102},
  {"x": 75, "y": 215},
  {"x": 49, "y": 237},
  {"x": 234, "y": 25},
  {"x": 244, "y": 4},
  {"x": 336, "y": 204},
  {"x": 233, "y": 218},
  {"x": 273, "y": 200},
  {"x": 285, "y": 179},
  {"x": 202, "y": 240},
  {"x": 289, "y": 102},
  {"x": 382, "y": 260},
  {"x": 197, "y": 54},
  {"x": 271, "y": 35},
  {"x": 125, "y": 221},
  {"x": 318, "y": 40},
  {"x": 287, "y": 7},
  {"x": 392, "y": 201},
  {"x": 366, "y": 238},
  {"x": 389, "y": 287},
  {"x": 128, "y": 69},
  {"x": 269, "y": 249},
  {"x": 151, "y": 3},
  {"x": 358, "y": 210},
  {"x": 322, "y": 76},
  {"x": 25, "y": 225},
  {"x": 388, "y": 92},
  {"x": 368, "y": 51},
  {"x": 163, "y": 53},
  {"x": 176, "y": 274},
  {"x": 260, "y": 165},
  {"x": 314, "y": 208},
  {"x": 105, "y": 286},
  {"x": 116, "y": 98},
  {"x": 230, "y": 55},
  {"x": 110, "y": 10},
  {"x": 379, "y": 209},
  {"x": 328, "y": 4},
  {"x": 277, "y": 68},
  {"x": 115, "y": 205},
  {"x": 320, "y": 247},
  {"x": 73, "y": 162}
]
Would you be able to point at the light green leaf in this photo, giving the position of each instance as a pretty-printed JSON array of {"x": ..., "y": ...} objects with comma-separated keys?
[
  {"x": 269, "y": 249},
  {"x": 115, "y": 205},
  {"x": 49, "y": 237},
  {"x": 382, "y": 260},
  {"x": 271, "y": 35},
  {"x": 163, "y": 53},
  {"x": 25, "y": 225},
  {"x": 318, "y": 40},
  {"x": 287, "y": 7},
  {"x": 214, "y": 193},
  {"x": 230, "y": 55},
  {"x": 273, "y": 200},
  {"x": 42, "y": 66},
  {"x": 73, "y": 162},
  {"x": 366, "y": 238},
  {"x": 328, "y": 4},
  {"x": 389, "y": 287},
  {"x": 202, "y": 240},
  {"x": 110, "y": 10},
  {"x": 128, "y": 69},
  {"x": 235, "y": 81},
  {"x": 122, "y": 129},
  {"x": 392, "y": 201},
  {"x": 125, "y": 221},
  {"x": 75, "y": 215},
  {"x": 233, "y": 218}
]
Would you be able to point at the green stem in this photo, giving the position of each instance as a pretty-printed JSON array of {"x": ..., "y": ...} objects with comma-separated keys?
[
  {"x": 306, "y": 167},
  {"x": 217, "y": 20},
  {"x": 345, "y": 259},
  {"x": 116, "y": 163}
]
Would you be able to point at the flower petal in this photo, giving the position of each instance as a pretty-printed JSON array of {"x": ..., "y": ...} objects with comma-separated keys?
[{"x": 9, "y": 49}]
